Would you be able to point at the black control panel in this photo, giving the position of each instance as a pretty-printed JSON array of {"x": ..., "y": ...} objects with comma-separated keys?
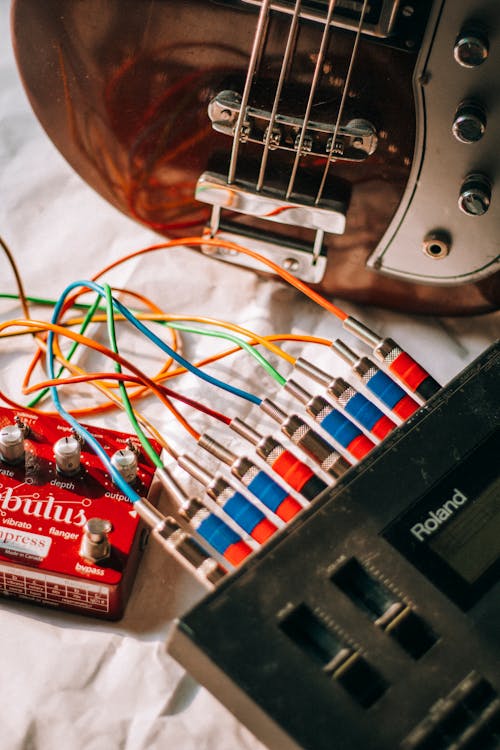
[
  {"x": 453, "y": 532},
  {"x": 373, "y": 620}
]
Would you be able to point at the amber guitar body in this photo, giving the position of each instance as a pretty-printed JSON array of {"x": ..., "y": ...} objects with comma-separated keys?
[{"x": 123, "y": 88}]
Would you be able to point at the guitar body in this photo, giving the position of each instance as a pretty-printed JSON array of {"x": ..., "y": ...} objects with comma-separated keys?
[{"x": 126, "y": 90}]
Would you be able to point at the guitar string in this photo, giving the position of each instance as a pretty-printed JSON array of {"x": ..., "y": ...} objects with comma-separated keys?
[
  {"x": 314, "y": 84},
  {"x": 290, "y": 43},
  {"x": 257, "y": 47},
  {"x": 342, "y": 102}
]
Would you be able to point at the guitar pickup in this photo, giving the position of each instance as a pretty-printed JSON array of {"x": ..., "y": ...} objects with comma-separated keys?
[
  {"x": 379, "y": 19},
  {"x": 355, "y": 141}
]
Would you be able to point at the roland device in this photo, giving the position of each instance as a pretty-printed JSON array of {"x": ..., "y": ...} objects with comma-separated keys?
[
  {"x": 352, "y": 142},
  {"x": 373, "y": 619}
]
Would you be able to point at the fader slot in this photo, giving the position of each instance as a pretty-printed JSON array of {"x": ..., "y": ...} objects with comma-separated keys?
[
  {"x": 468, "y": 718},
  {"x": 388, "y": 611},
  {"x": 338, "y": 659}
]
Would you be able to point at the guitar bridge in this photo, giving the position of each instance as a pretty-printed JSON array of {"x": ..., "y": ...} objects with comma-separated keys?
[
  {"x": 306, "y": 262},
  {"x": 355, "y": 141}
]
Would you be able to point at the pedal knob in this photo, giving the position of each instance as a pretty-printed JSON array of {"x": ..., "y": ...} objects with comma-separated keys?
[
  {"x": 11, "y": 444},
  {"x": 95, "y": 544},
  {"x": 471, "y": 47},
  {"x": 67, "y": 452},
  {"x": 126, "y": 463},
  {"x": 475, "y": 195},
  {"x": 469, "y": 124}
]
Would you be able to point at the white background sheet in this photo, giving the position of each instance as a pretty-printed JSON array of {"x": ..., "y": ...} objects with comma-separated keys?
[{"x": 71, "y": 681}]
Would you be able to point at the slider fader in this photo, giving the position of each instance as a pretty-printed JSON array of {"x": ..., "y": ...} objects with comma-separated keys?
[
  {"x": 372, "y": 621},
  {"x": 68, "y": 538}
]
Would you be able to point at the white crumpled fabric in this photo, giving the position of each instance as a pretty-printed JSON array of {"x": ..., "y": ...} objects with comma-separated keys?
[{"x": 70, "y": 681}]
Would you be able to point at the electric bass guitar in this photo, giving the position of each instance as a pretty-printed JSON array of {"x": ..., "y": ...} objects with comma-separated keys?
[{"x": 354, "y": 142}]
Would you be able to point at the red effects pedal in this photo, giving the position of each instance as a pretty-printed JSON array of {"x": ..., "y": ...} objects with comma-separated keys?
[{"x": 68, "y": 538}]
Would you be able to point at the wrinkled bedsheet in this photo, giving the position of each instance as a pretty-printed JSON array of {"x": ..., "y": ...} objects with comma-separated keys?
[{"x": 69, "y": 681}]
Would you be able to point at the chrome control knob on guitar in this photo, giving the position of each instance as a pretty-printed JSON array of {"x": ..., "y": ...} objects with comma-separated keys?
[
  {"x": 469, "y": 124},
  {"x": 472, "y": 47},
  {"x": 337, "y": 137},
  {"x": 475, "y": 195}
]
